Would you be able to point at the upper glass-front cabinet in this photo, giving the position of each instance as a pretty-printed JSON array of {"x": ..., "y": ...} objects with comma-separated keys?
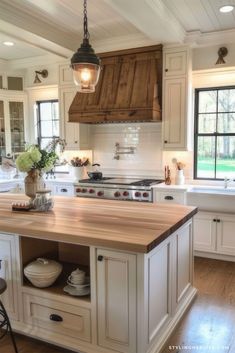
[
  {"x": 2, "y": 130},
  {"x": 12, "y": 124},
  {"x": 16, "y": 115},
  {"x": 11, "y": 83}
]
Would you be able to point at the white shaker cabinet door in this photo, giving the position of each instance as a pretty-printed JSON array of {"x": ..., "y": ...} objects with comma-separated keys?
[
  {"x": 9, "y": 271},
  {"x": 116, "y": 290},
  {"x": 204, "y": 229},
  {"x": 225, "y": 234}
]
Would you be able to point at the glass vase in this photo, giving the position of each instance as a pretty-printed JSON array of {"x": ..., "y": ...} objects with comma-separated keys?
[{"x": 33, "y": 183}]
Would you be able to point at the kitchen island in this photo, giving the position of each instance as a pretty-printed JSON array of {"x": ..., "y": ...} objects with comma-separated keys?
[{"x": 139, "y": 258}]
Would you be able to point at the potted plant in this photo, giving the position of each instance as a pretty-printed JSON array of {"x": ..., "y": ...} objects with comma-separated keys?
[
  {"x": 78, "y": 165},
  {"x": 35, "y": 161}
]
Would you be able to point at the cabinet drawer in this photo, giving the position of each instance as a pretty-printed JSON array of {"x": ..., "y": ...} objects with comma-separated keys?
[
  {"x": 64, "y": 190},
  {"x": 170, "y": 197},
  {"x": 72, "y": 321}
]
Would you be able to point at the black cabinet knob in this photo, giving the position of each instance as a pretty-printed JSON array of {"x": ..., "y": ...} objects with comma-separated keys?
[
  {"x": 64, "y": 190},
  {"x": 166, "y": 70},
  {"x": 165, "y": 141},
  {"x": 56, "y": 318},
  {"x": 218, "y": 220},
  {"x": 100, "y": 258},
  {"x": 214, "y": 220}
]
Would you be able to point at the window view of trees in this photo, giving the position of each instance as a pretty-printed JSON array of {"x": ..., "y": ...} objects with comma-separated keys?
[{"x": 215, "y": 133}]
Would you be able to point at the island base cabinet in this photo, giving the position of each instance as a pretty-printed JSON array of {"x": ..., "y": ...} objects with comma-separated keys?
[
  {"x": 116, "y": 300},
  {"x": 9, "y": 271},
  {"x": 57, "y": 317}
]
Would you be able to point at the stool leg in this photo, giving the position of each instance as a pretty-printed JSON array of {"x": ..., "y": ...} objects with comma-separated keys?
[{"x": 8, "y": 324}]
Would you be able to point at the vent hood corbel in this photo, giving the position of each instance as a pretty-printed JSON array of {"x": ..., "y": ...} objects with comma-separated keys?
[{"x": 129, "y": 89}]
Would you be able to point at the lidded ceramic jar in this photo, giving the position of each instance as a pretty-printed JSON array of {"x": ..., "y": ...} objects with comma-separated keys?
[{"x": 42, "y": 272}]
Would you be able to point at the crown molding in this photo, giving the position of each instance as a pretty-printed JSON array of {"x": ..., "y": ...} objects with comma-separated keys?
[{"x": 199, "y": 39}]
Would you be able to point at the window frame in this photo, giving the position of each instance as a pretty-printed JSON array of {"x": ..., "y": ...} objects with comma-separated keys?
[
  {"x": 215, "y": 134},
  {"x": 39, "y": 128}
]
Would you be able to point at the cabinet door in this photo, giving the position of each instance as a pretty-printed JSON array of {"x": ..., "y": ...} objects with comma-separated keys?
[
  {"x": 170, "y": 197},
  {"x": 77, "y": 136},
  {"x": 175, "y": 64},
  {"x": 9, "y": 271},
  {"x": 175, "y": 114},
  {"x": 204, "y": 230},
  {"x": 184, "y": 261},
  {"x": 116, "y": 290},
  {"x": 225, "y": 234}
]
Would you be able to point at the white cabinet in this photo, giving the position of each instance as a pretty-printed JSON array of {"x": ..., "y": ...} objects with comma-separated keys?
[
  {"x": 176, "y": 99},
  {"x": 77, "y": 136},
  {"x": 11, "y": 82},
  {"x": 175, "y": 63},
  {"x": 9, "y": 268},
  {"x": 184, "y": 262},
  {"x": 214, "y": 232},
  {"x": 65, "y": 74},
  {"x": 116, "y": 300},
  {"x": 61, "y": 189},
  {"x": 205, "y": 231},
  {"x": 169, "y": 196},
  {"x": 12, "y": 122}
]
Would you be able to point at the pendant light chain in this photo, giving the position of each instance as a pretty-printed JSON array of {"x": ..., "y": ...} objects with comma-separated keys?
[{"x": 85, "y": 21}]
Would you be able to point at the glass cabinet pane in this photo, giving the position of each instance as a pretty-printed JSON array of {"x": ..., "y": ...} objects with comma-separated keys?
[
  {"x": 15, "y": 83},
  {"x": 16, "y": 110},
  {"x": 2, "y": 132}
]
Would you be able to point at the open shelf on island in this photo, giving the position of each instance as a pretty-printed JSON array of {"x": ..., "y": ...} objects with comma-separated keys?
[{"x": 70, "y": 256}]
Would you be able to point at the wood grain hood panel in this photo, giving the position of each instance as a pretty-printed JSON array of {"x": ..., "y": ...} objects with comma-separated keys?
[{"x": 129, "y": 89}]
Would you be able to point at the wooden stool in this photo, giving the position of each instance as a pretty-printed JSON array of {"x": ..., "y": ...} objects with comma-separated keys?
[{"x": 4, "y": 319}]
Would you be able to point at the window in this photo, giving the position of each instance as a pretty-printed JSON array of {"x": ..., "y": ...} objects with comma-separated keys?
[
  {"x": 214, "y": 133},
  {"x": 48, "y": 125}
]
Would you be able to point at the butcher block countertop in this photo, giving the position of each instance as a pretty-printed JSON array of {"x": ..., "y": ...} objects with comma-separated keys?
[{"x": 123, "y": 225}]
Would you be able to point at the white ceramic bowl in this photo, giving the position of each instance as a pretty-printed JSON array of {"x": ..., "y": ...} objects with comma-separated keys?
[{"x": 43, "y": 273}]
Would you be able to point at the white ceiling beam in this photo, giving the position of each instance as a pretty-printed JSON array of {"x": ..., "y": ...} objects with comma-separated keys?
[
  {"x": 36, "y": 31},
  {"x": 152, "y": 18}
]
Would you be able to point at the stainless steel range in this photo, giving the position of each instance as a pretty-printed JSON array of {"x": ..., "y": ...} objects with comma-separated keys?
[{"x": 117, "y": 188}]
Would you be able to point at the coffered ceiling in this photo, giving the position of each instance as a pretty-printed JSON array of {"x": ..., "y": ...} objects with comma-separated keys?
[{"x": 55, "y": 26}]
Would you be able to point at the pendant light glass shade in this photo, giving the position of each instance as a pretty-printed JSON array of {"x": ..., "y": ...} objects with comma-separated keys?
[{"x": 85, "y": 63}]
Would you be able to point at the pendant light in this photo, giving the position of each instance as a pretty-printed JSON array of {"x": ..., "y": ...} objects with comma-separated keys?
[{"x": 85, "y": 63}]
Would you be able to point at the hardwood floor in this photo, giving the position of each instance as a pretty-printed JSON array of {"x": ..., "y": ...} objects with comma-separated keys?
[{"x": 209, "y": 325}]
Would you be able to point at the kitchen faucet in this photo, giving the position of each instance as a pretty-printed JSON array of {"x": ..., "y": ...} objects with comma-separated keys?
[{"x": 227, "y": 181}]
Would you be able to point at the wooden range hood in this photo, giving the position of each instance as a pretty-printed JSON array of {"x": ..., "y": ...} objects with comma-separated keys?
[{"x": 129, "y": 89}]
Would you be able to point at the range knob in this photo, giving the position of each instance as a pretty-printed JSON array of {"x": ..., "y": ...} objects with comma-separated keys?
[
  {"x": 145, "y": 194},
  {"x": 84, "y": 191},
  {"x": 117, "y": 194},
  {"x": 91, "y": 191},
  {"x": 125, "y": 193},
  {"x": 100, "y": 193},
  {"x": 137, "y": 194},
  {"x": 78, "y": 190}
]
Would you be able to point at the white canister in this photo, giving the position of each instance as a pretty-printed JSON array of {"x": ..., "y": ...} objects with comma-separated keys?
[
  {"x": 77, "y": 173},
  {"x": 180, "y": 178}
]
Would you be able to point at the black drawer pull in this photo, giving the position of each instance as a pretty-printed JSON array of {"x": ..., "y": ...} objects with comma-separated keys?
[
  {"x": 63, "y": 190},
  {"x": 56, "y": 318},
  {"x": 165, "y": 141},
  {"x": 166, "y": 70},
  {"x": 169, "y": 198},
  {"x": 214, "y": 220},
  {"x": 218, "y": 220},
  {"x": 100, "y": 258}
]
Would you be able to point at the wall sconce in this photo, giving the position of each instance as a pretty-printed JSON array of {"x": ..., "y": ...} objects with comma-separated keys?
[
  {"x": 43, "y": 73},
  {"x": 222, "y": 52}
]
